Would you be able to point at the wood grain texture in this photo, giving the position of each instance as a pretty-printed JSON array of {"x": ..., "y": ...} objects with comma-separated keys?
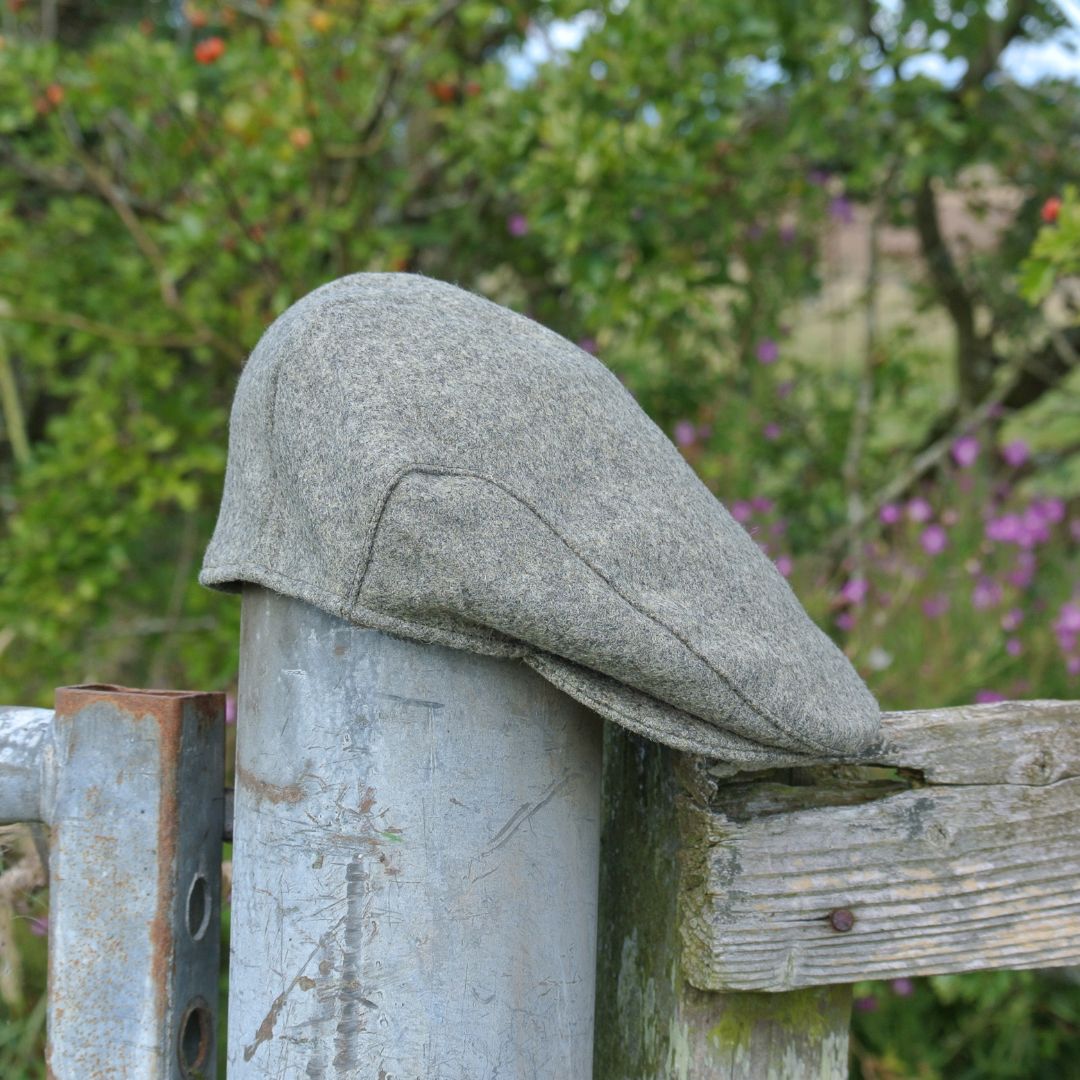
[
  {"x": 954, "y": 846},
  {"x": 651, "y": 1024}
]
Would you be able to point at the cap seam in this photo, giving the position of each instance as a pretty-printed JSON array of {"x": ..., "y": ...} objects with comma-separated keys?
[{"x": 438, "y": 470}]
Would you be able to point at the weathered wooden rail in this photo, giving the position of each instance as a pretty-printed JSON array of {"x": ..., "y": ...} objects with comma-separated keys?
[{"x": 737, "y": 909}]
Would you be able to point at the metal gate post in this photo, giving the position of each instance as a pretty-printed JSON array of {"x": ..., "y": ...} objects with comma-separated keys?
[
  {"x": 415, "y": 859},
  {"x": 131, "y": 783}
]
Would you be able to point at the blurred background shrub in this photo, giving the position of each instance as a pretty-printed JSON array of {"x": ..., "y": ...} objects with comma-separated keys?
[{"x": 832, "y": 247}]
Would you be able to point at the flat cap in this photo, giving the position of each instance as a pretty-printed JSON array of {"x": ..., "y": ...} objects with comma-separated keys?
[{"x": 411, "y": 457}]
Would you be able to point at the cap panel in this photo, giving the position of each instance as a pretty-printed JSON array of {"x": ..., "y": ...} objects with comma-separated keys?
[{"x": 464, "y": 547}]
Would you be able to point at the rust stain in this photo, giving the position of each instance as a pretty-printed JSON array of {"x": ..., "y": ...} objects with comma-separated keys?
[
  {"x": 305, "y": 982},
  {"x": 275, "y": 793},
  {"x": 157, "y": 704},
  {"x": 266, "y": 1028},
  {"x": 368, "y": 800}
]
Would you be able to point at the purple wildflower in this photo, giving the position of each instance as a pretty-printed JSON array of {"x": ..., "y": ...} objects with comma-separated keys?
[
  {"x": 933, "y": 607},
  {"x": 1072, "y": 665},
  {"x": 889, "y": 514},
  {"x": 772, "y": 431},
  {"x": 1015, "y": 453},
  {"x": 761, "y": 504},
  {"x": 1012, "y": 619},
  {"x": 841, "y": 210},
  {"x": 783, "y": 390},
  {"x": 1006, "y": 529},
  {"x": 854, "y": 591},
  {"x": 934, "y": 539},
  {"x": 1034, "y": 528},
  {"x": 1052, "y": 511},
  {"x": 1023, "y": 572},
  {"x": 1067, "y": 626},
  {"x": 866, "y": 1004},
  {"x": 767, "y": 351},
  {"x": 784, "y": 565},
  {"x": 704, "y": 431},
  {"x": 1014, "y": 646},
  {"x": 919, "y": 510},
  {"x": 685, "y": 433},
  {"x": 845, "y": 621},
  {"x": 903, "y": 987},
  {"x": 39, "y": 925},
  {"x": 965, "y": 451},
  {"x": 588, "y": 344},
  {"x": 230, "y": 709},
  {"x": 986, "y": 594},
  {"x": 741, "y": 511},
  {"x": 988, "y": 697},
  {"x": 517, "y": 224}
]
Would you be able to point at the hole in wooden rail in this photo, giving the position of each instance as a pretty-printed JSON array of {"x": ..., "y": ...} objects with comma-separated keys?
[
  {"x": 783, "y": 791},
  {"x": 194, "y": 1041},
  {"x": 198, "y": 907}
]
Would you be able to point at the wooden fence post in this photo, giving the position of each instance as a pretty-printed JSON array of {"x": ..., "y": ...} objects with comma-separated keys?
[{"x": 651, "y": 1023}]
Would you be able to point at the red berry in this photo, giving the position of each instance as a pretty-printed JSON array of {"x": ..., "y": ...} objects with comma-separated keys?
[
  {"x": 300, "y": 137},
  {"x": 442, "y": 91},
  {"x": 54, "y": 93},
  {"x": 1050, "y": 209},
  {"x": 209, "y": 49}
]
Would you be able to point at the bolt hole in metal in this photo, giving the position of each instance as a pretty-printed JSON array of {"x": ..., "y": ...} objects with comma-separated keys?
[
  {"x": 198, "y": 907},
  {"x": 194, "y": 1042}
]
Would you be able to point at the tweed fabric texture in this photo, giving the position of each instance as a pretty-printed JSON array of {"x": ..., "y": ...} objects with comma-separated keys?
[{"x": 413, "y": 458}]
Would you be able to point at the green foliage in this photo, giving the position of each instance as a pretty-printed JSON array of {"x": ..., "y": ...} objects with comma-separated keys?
[
  {"x": 992, "y": 1026},
  {"x": 1056, "y": 251},
  {"x": 661, "y": 194}
]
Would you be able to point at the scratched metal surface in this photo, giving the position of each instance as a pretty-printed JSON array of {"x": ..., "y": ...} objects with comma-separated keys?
[
  {"x": 415, "y": 860},
  {"x": 134, "y": 869},
  {"x": 24, "y": 744}
]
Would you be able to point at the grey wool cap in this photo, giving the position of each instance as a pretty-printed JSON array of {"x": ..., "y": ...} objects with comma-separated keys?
[{"x": 410, "y": 457}]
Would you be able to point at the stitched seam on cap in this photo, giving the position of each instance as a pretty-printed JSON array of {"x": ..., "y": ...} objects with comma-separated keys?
[
  {"x": 631, "y": 721},
  {"x": 438, "y": 470}
]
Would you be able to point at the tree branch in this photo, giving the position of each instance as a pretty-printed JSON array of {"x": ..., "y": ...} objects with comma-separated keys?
[
  {"x": 71, "y": 321},
  {"x": 972, "y": 355},
  {"x": 148, "y": 247},
  {"x": 984, "y": 65},
  {"x": 14, "y": 420},
  {"x": 1014, "y": 392}
]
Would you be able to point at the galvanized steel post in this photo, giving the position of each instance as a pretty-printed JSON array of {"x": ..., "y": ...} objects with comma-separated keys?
[
  {"x": 415, "y": 860},
  {"x": 25, "y": 739},
  {"x": 131, "y": 783}
]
